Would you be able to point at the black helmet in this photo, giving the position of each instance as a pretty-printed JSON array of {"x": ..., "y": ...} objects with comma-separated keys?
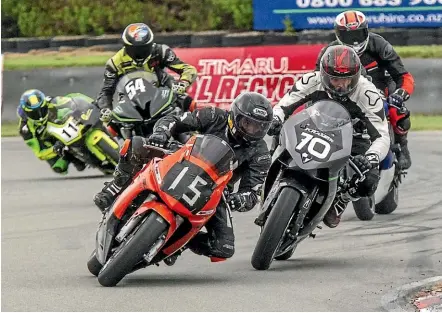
[
  {"x": 250, "y": 117},
  {"x": 138, "y": 41},
  {"x": 351, "y": 29},
  {"x": 34, "y": 105},
  {"x": 340, "y": 71}
]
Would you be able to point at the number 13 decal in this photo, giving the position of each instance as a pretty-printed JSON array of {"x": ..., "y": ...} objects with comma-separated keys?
[
  {"x": 193, "y": 186},
  {"x": 313, "y": 148}
]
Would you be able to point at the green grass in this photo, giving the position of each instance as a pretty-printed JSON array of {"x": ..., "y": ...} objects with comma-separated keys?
[
  {"x": 422, "y": 52},
  {"x": 9, "y": 129},
  {"x": 26, "y": 62},
  {"x": 51, "y": 61},
  {"x": 426, "y": 122},
  {"x": 418, "y": 122}
]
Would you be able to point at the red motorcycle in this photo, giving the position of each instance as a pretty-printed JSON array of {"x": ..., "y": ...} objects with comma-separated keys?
[{"x": 166, "y": 205}]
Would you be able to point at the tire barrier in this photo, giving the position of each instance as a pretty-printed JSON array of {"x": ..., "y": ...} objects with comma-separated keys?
[{"x": 397, "y": 37}]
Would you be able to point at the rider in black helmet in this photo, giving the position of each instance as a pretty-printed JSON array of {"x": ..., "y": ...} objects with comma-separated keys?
[
  {"x": 140, "y": 52},
  {"x": 243, "y": 127}
]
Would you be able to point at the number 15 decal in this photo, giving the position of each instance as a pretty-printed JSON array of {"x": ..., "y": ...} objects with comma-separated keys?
[
  {"x": 317, "y": 147},
  {"x": 193, "y": 186}
]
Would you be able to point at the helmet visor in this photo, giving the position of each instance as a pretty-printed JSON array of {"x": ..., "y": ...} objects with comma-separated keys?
[
  {"x": 340, "y": 85},
  {"x": 352, "y": 37},
  {"x": 251, "y": 128},
  {"x": 139, "y": 53},
  {"x": 38, "y": 114}
]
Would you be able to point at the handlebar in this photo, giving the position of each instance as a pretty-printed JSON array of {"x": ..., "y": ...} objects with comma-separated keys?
[
  {"x": 171, "y": 147},
  {"x": 355, "y": 168},
  {"x": 224, "y": 197},
  {"x": 360, "y": 176}
]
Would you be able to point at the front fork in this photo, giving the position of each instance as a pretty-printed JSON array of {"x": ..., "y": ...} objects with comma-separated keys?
[{"x": 92, "y": 140}]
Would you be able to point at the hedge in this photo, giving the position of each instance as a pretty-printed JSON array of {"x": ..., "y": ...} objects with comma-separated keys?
[{"x": 35, "y": 18}]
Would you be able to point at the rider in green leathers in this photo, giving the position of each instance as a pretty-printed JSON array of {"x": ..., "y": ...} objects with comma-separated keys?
[{"x": 34, "y": 111}]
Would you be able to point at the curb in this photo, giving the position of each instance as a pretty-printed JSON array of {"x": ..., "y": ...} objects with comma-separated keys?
[{"x": 396, "y": 300}]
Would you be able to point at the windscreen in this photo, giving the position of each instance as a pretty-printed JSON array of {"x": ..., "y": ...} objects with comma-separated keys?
[{"x": 215, "y": 152}]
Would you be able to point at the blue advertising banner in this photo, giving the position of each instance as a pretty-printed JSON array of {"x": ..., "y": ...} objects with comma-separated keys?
[{"x": 320, "y": 14}]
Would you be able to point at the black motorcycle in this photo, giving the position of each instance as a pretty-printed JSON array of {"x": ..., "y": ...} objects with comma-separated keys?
[
  {"x": 308, "y": 172},
  {"x": 141, "y": 104}
]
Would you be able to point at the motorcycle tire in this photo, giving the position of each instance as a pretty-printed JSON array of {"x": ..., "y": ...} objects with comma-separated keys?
[
  {"x": 93, "y": 264},
  {"x": 389, "y": 203},
  {"x": 274, "y": 228},
  {"x": 135, "y": 247},
  {"x": 364, "y": 208}
]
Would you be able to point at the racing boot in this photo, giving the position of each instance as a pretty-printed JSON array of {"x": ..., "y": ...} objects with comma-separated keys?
[
  {"x": 109, "y": 193},
  {"x": 132, "y": 158},
  {"x": 404, "y": 158},
  {"x": 333, "y": 217},
  {"x": 218, "y": 243}
]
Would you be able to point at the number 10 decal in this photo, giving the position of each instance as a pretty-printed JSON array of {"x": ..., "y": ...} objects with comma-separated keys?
[
  {"x": 193, "y": 186},
  {"x": 320, "y": 152}
]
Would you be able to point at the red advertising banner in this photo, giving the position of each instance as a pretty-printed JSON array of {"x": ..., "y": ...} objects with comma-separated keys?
[{"x": 223, "y": 73}]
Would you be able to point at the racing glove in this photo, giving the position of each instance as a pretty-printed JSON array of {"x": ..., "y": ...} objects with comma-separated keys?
[
  {"x": 275, "y": 127},
  {"x": 398, "y": 97},
  {"x": 158, "y": 140},
  {"x": 238, "y": 202},
  {"x": 105, "y": 115},
  {"x": 369, "y": 166},
  {"x": 59, "y": 148},
  {"x": 180, "y": 87}
]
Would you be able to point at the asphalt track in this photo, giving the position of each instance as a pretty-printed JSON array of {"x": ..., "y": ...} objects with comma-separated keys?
[{"x": 48, "y": 232}]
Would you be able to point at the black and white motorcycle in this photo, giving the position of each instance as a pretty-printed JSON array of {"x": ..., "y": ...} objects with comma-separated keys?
[{"x": 308, "y": 172}]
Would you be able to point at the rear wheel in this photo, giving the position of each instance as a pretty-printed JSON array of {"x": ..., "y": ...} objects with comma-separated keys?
[
  {"x": 134, "y": 248},
  {"x": 274, "y": 228},
  {"x": 364, "y": 208},
  {"x": 93, "y": 264},
  {"x": 389, "y": 203}
]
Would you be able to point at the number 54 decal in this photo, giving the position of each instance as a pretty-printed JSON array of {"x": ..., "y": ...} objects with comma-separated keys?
[{"x": 134, "y": 85}]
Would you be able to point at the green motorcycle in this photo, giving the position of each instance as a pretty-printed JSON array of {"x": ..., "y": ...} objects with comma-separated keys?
[{"x": 85, "y": 137}]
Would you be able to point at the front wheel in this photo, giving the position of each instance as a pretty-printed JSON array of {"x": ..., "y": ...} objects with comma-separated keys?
[
  {"x": 133, "y": 250},
  {"x": 274, "y": 228}
]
